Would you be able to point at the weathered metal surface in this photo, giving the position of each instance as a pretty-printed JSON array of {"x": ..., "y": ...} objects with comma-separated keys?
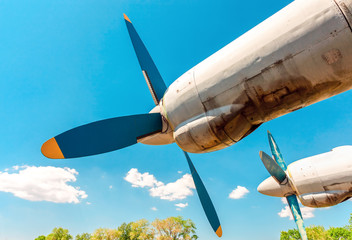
[
  {"x": 159, "y": 138},
  {"x": 151, "y": 89},
  {"x": 346, "y": 8},
  {"x": 297, "y": 57},
  {"x": 320, "y": 181},
  {"x": 323, "y": 180}
]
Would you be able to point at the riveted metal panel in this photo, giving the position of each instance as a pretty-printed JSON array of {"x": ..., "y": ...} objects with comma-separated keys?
[
  {"x": 297, "y": 57},
  {"x": 346, "y": 8},
  {"x": 325, "y": 179}
]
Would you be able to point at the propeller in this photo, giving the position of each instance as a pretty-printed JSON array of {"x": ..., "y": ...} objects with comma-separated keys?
[
  {"x": 102, "y": 136},
  {"x": 151, "y": 74},
  {"x": 276, "y": 152},
  {"x": 273, "y": 168},
  {"x": 204, "y": 198},
  {"x": 277, "y": 169},
  {"x": 157, "y": 88},
  {"x": 120, "y": 132}
]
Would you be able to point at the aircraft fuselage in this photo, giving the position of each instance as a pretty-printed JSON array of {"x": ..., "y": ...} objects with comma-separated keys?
[{"x": 299, "y": 56}]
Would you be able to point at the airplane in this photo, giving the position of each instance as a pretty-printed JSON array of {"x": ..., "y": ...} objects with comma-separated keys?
[
  {"x": 322, "y": 180},
  {"x": 299, "y": 56}
]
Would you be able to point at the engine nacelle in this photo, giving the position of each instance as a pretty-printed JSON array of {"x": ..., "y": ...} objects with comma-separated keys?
[
  {"x": 320, "y": 181},
  {"x": 198, "y": 129},
  {"x": 263, "y": 75},
  {"x": 325, "y": 179},
  {"x": 324, "y": 199}
]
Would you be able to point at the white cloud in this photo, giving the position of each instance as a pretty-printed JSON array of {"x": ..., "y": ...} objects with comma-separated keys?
[
  {"x": 110, "y": 187},
  {"x": 154, "y": 209},
  {"x": 141, "y": 180},
  {"x": 178, "y": 190},
  {"x": 181, "y": 205},
  {"x": 179, "y": 172},
  {"x": 42, "y": 184},
  {"x": 286, "y": 212},
  {"x": 307, "y": 212},
  {"x": 238, "y": 193},
  {"x": 178, "y": 209},
  {"x": 88, "y": 203}
]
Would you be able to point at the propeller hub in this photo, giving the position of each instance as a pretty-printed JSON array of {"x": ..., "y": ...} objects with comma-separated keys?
[{"x": 272, "y": 188}]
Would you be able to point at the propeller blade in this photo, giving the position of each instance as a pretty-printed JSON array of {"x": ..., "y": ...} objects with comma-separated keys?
[
  {"x": 205, "y": 199},
  {"x": 297, "y": 215},
  {"x": 276, "y": 152},
  {"x": 292, "y": 199},
  {"x": 273, "y": 167},
  {"x": 151, "y": 74},
  {"x": 102, "y": 136}
]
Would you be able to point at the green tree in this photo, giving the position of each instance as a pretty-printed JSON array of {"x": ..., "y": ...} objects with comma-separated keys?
[
  {"x": 349, "y": 227},
  {"x": 124, "y": 231},
  {"x": 83, "y": 236},
  {"x": 284, "y": 235},
  {"x": 339, "y": 233},
  {"x": 291, "y": 234},
  {"x": 59, "y": 234},
  {"x": 316, "y": 233},
  {"x": 174, "y": 228},
  {"x": 42, "y": 237},
  {"x": 141, "y": 230},
  {"x": 319, "y": 233},
  {"x": 106, "y": 234}
]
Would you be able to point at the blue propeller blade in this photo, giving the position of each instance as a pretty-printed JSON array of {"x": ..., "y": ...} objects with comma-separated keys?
[
  {"x": 205, "y": 199},
  {"x": 102, "y": 136},
  {"x": 154, "y": 80},
  {"x": 276, "y": 152},
  {"x": 297, "y": 215},
  {"x": 273, "y": 168},
  {"x": 292, "y": 199}
]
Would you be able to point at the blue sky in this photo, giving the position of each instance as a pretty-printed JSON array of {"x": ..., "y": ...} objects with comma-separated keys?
[{"x": 65, "y": 63}]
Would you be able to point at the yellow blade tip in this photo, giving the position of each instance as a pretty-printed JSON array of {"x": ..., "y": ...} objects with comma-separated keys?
[
  {"x": 51, "y": 149},
  {"x": 126, "y": 18},
  {"x": 219, "y": 231}
]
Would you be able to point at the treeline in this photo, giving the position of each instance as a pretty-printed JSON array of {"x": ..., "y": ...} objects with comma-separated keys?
[
  {"x": 171, "y": 228},
  {"x": 320, "y": 233}
]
